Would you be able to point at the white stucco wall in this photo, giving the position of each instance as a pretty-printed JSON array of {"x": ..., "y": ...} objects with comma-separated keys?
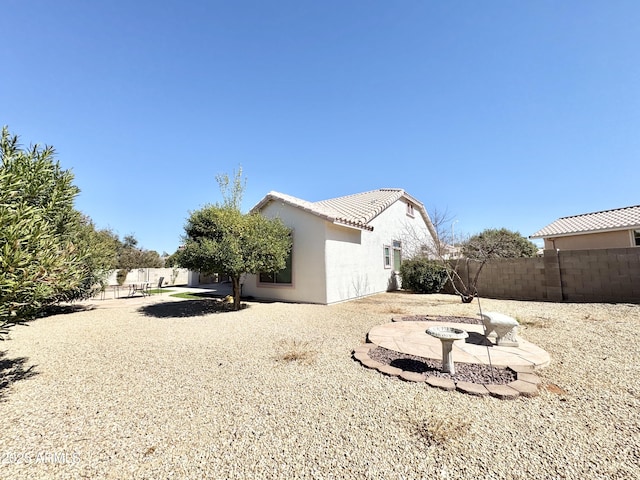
[
  {"x": 348, "y": 268},
  {"x": 308, "y": 259},
  {"x": 355, "y": 259},
  {"x": 334, "y": 263}
]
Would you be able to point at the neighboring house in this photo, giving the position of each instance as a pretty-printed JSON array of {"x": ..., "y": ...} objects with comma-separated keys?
[
  {"x": 343, "y": 248},
  {"x": 618, "y": 228}
]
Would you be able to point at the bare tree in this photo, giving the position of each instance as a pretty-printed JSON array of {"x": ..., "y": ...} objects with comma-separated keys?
[
  {"x": 481, "y": 248},
  {"x": 442, "y": 250}
]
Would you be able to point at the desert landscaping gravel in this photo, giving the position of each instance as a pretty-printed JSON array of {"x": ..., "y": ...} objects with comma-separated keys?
[{"x": 157, "y": 388}]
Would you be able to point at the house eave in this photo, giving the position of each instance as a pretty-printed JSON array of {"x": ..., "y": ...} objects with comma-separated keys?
[
  {"x": 362, "y": 228},
  {"x": 587, "y": 232}
]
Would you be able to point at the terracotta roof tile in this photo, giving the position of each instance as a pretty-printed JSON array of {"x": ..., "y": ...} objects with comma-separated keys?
[
  {"x": 355, "y": 210},
  {"x": 618, "y": 219},
  {"x": 361, "y": 208}
]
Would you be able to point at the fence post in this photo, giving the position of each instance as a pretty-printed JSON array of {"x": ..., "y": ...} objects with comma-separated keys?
[{"x": 553, "y": 279}]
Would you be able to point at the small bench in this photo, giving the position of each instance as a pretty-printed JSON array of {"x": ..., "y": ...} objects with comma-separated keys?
[{"x": 501, "y": 326}]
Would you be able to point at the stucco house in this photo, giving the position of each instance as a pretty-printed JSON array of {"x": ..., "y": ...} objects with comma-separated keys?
[
  {"x": 343, "y": 248},
  {"x": 617, "y": 228}
]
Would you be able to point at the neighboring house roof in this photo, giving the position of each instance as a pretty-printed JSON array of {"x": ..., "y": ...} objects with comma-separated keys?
[
  {"x": 626, "y": 218},
  {"x": 355, "y": 210}
]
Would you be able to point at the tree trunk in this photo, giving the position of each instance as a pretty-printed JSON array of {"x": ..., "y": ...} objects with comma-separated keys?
[
  {"x": 466, "y": 298},
  {"x": 236, "y": 292}
]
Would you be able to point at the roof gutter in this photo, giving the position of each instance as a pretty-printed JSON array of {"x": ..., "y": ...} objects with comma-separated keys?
[{"x": 586, "y": 232}]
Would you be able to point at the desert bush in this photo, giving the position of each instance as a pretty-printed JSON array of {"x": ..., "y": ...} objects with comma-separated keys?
[
  {"x": 441, "y": 429},
  {"x": 422, "y": 276},
  {"x": 294, "y": 350},
  {"x": 436, "y": 424},
  {"x": 49, "y": 251}
]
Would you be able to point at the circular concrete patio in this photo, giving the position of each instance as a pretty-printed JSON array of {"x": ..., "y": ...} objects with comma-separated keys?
[{"x": 410, "y": 337}]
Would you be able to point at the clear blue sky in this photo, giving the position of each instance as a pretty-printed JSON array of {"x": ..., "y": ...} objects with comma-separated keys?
[{"x": 504, "y": 114}]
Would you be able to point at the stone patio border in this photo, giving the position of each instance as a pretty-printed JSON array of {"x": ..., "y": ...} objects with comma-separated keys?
[{"x": 526, "y": 383}]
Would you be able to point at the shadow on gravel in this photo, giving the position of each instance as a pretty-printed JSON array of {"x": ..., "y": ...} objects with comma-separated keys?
[
  {"x": 51, "y": 310},
  {"x": 13, "y": 370},
  {"x": 64, "y": 310},
  {"x": 185, "y": 309},
  {"x": 417, "y": 366},
  {"x": 466, "y": 372}
]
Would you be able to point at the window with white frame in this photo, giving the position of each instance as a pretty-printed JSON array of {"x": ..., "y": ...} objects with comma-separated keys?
[
  {"x": 410, "y": 210},
  {"x": 387, "y": 256},
  {"x": 282, "y": 277},
  {"x": 636, "y": 237},
  {"x": 397, "y": 255}
]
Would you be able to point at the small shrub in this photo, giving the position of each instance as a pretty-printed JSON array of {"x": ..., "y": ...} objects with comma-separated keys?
[
  {"x": 395, "y": 310},
  {"x": 422, "y": 276},
  {"x": 296, "y": 351},
  {"x": 441, "y": 430},
  {"x": 121, "y": 276},
  {"x": 436, "y": 426},
  {"x": 535, "y": 322}
]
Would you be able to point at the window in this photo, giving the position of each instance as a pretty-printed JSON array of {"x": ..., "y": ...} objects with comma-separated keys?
[
  {"x": 410, "y": 209},
  {"x": 397, "y": 255},
  {"x": 636, "y": 236},
  {"x": 387, "y": 256},
  {"x": 283, "y": 277}
]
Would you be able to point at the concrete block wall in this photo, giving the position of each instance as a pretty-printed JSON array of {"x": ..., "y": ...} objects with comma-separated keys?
[
  {"x": 606, "y": 275},
  {"x": 516, "y": 279},
  {"x": 603, "y": 275},
  {"x": 522, "y": 279}
]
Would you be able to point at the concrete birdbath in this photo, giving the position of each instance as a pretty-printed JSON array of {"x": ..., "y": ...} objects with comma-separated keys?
[{"x": 447, "y": 335}]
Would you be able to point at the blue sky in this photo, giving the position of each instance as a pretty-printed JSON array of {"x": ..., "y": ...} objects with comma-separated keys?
[{"x": 503, "y": 114}]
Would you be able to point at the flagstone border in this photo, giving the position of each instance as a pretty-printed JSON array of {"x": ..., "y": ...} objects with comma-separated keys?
[{"x": 526, "y": 383}]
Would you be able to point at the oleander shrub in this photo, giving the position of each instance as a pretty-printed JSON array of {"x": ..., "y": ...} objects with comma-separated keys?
[
  {"x": 49, "y": 251},
  {"x": 421, "y": 275}
]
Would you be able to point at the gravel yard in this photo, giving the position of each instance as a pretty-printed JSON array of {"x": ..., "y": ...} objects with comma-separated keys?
[{"x": 163, "y": 388}]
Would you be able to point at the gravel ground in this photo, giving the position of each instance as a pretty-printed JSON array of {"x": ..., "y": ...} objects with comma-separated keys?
[{"x": 156, "y": 388}]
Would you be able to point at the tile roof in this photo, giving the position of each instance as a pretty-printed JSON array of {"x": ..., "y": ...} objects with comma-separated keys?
[
  {"x": 618, "y": 219},
  {"x": 355, "y": 210}
]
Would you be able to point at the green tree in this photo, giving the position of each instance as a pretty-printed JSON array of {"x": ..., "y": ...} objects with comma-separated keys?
[
  {"x": 221, "y": 239},
  {"x": 172, "y": 260},
  {"x": 131, "y": 257},
  {"x": 232, "y": 190},
  {"x": 502, "y": 243},
  {"x": 100, "y": 250},
  {"x": 49, "y": 252}
]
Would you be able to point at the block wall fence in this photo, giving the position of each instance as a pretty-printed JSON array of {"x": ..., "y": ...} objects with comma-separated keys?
[
  {"x": 604, "y": 275},
  {"x": 172, "y": 276}
]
